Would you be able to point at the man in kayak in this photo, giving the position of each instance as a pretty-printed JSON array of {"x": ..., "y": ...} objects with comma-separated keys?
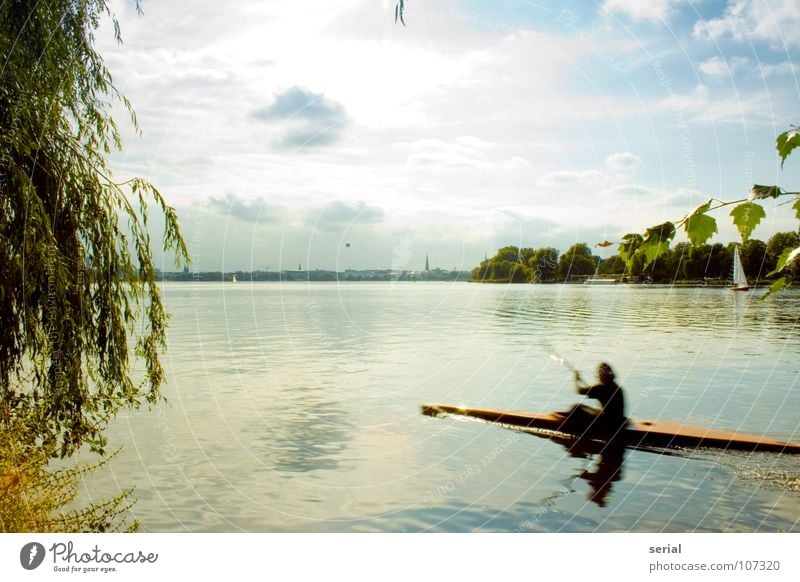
[{"x": 611, "y": 416}]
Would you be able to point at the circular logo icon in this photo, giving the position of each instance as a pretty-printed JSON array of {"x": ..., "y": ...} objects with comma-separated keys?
[{"x": 31, "y": 556}]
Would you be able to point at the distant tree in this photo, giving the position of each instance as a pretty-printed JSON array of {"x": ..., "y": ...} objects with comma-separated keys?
[
  {"x": 680, "y": 261},
  {"x": 525, "y": 255},
  {"x": 720, "y": 264},
  {"x": 509, "y": 265},
  {"x": 519, "y": 273},
  {"x": 482, "y": 271},
  {"x": 613, "y": 265},
  {"x": 509, "y": 253},
  {"x": 544, "y": 264},
  {"x": 577, "y": 261},
  {"x": 753, "y": 253},
  {"x": 780, "y": 243},
  {"x": 501, "y": 271}
]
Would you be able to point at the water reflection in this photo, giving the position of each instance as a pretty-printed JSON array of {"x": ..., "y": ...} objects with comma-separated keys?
[
  {"x": 608, "y": 460},
  {"x": 300, "y": 440}
]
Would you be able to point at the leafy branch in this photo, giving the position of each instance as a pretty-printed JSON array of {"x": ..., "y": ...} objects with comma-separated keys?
[{"x": 700, "y": 226}]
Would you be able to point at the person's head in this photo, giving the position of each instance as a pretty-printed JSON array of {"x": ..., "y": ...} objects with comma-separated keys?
[{"x": 605, "y": 373}]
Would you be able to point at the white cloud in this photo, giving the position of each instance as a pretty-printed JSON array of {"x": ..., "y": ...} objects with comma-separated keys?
[
  {"x": 774, "y": 21},
  {"x": 655, "y": 10},
  {"x": 308, "y": 119},
  {"x": 705, "y": 105},
  {"x": 573, "y": 179},
  {"x": 461, "y": 153},
  {"x": 718, "y": 68},
  {"x": 622, "y": 163},
  {"x": 630, "y": 191},
  {"x": 339, "y": 215},
  {"x": 257, "y": 210},
  {"x": 779, "y": 69}
]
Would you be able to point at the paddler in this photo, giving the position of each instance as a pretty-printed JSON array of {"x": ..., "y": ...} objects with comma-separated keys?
[{"x": 611, "y": 415}]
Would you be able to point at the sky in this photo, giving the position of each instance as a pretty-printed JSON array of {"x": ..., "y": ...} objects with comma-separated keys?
[{"x": 322, "y": 135}]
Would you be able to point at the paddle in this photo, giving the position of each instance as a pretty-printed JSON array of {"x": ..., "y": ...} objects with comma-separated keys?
[{"x": 562, "y": 361}]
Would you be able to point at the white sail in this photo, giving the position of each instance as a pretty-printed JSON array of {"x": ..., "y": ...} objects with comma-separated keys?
[{"x": 739, "y": 278}]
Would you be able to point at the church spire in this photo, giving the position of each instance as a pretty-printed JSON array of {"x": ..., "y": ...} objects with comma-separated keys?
[{"x": 427, "y": 265}]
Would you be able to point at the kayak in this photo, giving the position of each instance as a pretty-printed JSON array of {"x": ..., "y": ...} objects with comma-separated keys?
[{"x": 636, "y": 433}]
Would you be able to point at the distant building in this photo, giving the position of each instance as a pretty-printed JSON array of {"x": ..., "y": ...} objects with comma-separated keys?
[{"x": 427, "y": 264}]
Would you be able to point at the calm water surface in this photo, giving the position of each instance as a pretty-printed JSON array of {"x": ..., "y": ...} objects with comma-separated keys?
[{"x": 295, "y": 407}]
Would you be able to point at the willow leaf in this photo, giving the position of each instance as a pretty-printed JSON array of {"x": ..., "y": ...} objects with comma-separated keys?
[{"x": 746, "y": 217}]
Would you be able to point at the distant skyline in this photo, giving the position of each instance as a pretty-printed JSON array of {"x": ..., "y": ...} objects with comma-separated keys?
[{"x": 322, "y": 133}]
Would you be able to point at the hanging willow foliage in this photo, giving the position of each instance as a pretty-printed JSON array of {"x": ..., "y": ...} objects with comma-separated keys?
[
  {"x": 36, "y": 498},
  {"x": 77, "y": 279}
]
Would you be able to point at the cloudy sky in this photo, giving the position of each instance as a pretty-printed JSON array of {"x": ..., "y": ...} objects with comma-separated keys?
[{"x": 283, "y": 130}]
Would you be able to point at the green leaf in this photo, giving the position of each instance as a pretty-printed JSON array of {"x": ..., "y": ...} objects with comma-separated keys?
[
  {"x": 787, "y": 256},
  {"x": 796, "y": 207},
  {"x": 778, "y": 286},
  {"x": 628, "y": 247},
  {"x": 699, "y": 226},
  {"x": 746, "y": 217},
  {"x": 786, "y": 142},
  {"x": 759, "y": 192},
  {"x": 656, "y": 241}
]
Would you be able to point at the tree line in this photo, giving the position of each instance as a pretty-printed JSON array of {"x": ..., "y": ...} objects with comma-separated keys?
[{"x": 684, "y": 262}]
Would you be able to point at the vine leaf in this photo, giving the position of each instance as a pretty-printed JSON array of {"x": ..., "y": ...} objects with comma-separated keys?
[
  {"x": 778, "y": 286},
  {"x": 760, "y": 192},
  {"x": 628, "y": 247},
  {"x": 796, "y": 207},
  {"x": 786, "y": 142},
  {"x": 746, "y": 217},
  {"x": 699, "y": 226},
  {"x": 656, "y": 241},
  {"x": 787, "y": 256}
]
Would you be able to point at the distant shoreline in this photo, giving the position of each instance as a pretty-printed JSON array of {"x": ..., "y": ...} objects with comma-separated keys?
[
  {"x": 316, "y": 275},
  {"x": 380, "y": 276}
]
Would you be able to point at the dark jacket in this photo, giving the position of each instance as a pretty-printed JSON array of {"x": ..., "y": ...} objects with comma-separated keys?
[{"x": 611, "y": 397}]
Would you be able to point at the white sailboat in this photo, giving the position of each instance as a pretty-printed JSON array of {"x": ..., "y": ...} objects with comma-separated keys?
[{"x": 739, "y": 280}]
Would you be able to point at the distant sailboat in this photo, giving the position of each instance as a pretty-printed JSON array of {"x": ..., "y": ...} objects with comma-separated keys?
[
  {"x": 233, "y": 279},
  {"x": 739, "y": 280}
]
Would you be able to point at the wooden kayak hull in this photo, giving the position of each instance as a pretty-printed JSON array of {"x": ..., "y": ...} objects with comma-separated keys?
[{"x": 637, "y": 433}]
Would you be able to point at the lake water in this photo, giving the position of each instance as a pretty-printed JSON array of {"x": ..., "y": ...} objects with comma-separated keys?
[{"x": 296, "y": 407}]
